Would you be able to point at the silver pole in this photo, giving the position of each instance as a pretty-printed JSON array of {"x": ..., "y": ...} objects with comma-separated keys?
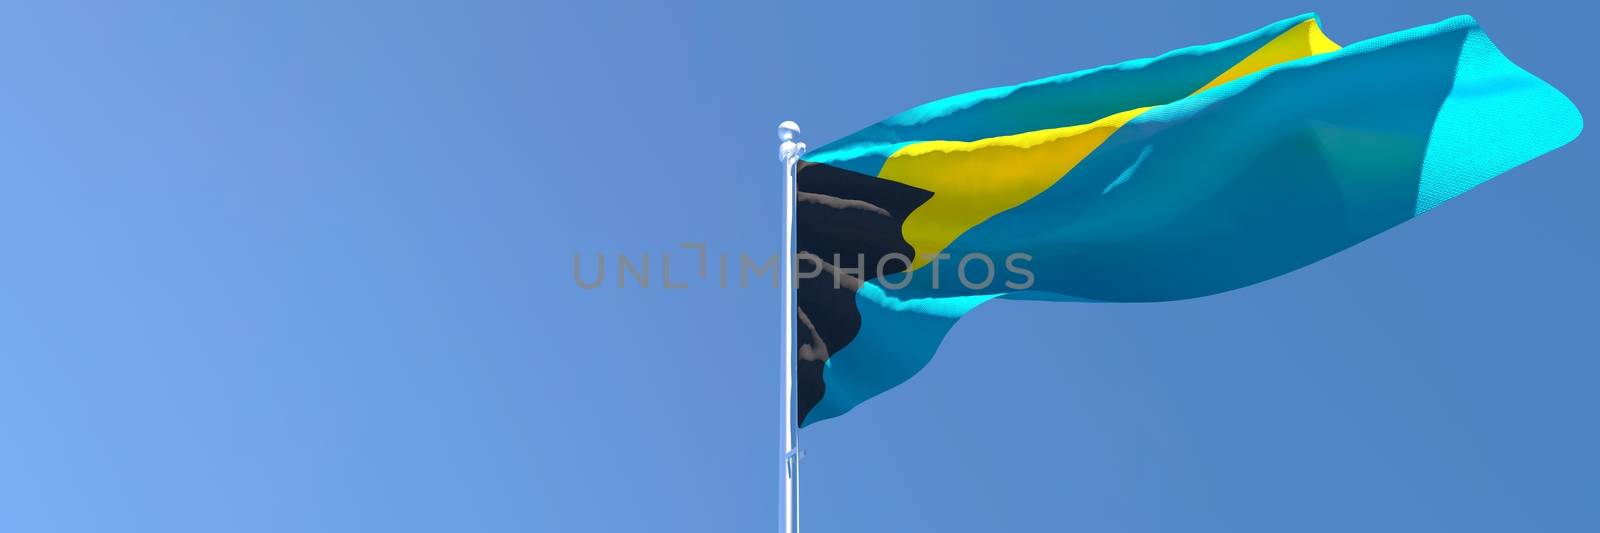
[{"x": 789, "y": 150}]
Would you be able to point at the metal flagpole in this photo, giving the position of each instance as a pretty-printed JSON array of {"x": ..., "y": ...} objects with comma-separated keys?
[{"x": 789, "y": 150}]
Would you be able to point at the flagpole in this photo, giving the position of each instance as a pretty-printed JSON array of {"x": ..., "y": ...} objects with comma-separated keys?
[{"x": 789, "y": 150}]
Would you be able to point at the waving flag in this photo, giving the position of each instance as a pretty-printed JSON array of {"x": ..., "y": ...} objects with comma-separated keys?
[{"x": 1203, "y": 170}]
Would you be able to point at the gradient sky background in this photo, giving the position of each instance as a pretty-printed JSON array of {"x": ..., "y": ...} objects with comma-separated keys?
[{"x": 306, "y": 266}]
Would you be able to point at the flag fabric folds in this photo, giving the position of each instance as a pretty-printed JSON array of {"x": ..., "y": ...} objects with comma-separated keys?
[{"x": 1203, "y": 170}]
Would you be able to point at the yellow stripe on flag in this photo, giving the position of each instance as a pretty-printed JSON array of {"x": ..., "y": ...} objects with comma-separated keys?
[{"x": 974, "y": 181}]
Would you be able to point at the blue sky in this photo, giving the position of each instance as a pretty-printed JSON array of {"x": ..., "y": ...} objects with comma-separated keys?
[{"x": 307, "y": 267}]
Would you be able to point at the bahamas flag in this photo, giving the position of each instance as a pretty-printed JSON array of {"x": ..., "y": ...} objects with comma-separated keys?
[{"x": 1203, "y": 170}]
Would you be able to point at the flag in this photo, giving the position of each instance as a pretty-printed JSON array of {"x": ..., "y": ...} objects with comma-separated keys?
[{"x": 1203, "y": 170}]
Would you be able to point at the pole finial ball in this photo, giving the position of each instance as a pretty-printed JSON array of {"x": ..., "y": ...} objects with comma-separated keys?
[{"x": 788, "y": 130}]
